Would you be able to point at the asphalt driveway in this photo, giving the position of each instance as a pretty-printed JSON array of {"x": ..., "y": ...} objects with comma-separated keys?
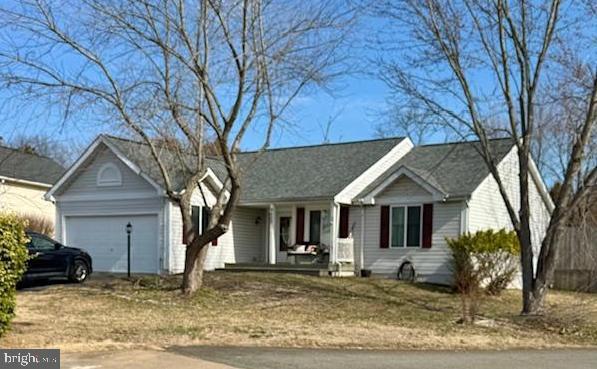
[{"x": 272, "y": 358}]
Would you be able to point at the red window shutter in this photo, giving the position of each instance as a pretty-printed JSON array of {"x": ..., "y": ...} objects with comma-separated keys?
[
  {"x": 384, "y": 228},
  {"x": 344, "y": 221},
  {"x": 300, "y": 226},
  {"x": 427, "y": 225}
]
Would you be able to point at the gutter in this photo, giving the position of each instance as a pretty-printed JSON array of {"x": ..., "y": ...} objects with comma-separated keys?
[{"x": 4, "y": 179}]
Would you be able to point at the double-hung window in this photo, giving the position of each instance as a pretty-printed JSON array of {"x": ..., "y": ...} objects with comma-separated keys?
[{"x": 406, "y": 222}]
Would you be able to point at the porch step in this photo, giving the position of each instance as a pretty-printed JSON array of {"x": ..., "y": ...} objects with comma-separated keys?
[{"x": 320, "y": 270}]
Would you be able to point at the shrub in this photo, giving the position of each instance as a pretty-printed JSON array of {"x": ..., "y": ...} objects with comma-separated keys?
[
  {"x": 13, "y": 262},
  {"x": 466, "y": 278},
  {"x": 38, "y": 223},
  {"x": 497, "y": 258},
  {"x": 485, "y": 258}
]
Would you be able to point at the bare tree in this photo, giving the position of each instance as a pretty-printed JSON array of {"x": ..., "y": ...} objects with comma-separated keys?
[
  {"x": 410, "y": 121},
  {"x": 480, "y": 67},
  {"x": 173, "y": 72},
  {"x": 46, "y": 146}
]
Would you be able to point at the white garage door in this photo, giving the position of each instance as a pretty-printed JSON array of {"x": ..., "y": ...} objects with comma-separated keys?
[{"x": 104, "y": 237}]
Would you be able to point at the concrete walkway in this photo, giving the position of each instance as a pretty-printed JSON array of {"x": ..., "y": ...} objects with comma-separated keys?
[
  {"x": 272, "y": 358},
  {"x": 135, "y": 360}
]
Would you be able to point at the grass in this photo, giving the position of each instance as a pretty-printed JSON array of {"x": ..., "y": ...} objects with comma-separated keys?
[{"x": 260, "y": 309}]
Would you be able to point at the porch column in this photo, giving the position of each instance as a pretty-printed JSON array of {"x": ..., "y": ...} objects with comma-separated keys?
[
  {"x": 334, "y": 233},
  {"x": 272, "y": 235}
]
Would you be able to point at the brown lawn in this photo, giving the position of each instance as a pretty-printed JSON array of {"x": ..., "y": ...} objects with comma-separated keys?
[{"x": 259, "y": 309}]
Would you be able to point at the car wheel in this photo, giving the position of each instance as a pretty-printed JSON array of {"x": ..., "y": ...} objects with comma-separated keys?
[{"x": 79, "y": 271}]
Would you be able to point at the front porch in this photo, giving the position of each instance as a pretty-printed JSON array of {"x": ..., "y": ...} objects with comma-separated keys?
[
  {"x": 307, "y": 269},
  {"x": 308, "y": 237}
]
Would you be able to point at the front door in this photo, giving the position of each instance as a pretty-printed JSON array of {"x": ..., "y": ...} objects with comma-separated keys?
[
  {"x": 283, "y": 238},
  {"x": 284, "y": 234}
]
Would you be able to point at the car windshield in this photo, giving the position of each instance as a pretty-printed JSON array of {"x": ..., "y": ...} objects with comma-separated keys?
[{"x": 41, "y": 243}]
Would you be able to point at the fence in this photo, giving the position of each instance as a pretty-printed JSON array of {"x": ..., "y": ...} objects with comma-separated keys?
[{"x": 576, "y": 268}]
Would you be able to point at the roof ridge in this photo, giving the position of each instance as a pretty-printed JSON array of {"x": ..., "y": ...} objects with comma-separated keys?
[
  {"x": 325, "y": 144},
  {"x": 20, "y": 151},
  {"x": 214, "y": 157},
  {"x": 277, "y": 148},
  {"x": 463, "y": 142},
  {"x": 107, "y": 135}
]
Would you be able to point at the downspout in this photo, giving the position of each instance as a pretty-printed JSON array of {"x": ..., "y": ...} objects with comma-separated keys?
[{"x": 362, "y": 241}]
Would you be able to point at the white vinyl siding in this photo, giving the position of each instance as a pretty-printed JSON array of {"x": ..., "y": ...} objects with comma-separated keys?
[
  {"x": 243, "y": 243},
  {"x": 403, "y": 189},
  {"x": 25, "y": 199},
  {"x": 82, "y": 201},
  {"x": 84, "y": 182},
  {"x": 431, "y": 265},
  {"x": 488, "y": 210}
]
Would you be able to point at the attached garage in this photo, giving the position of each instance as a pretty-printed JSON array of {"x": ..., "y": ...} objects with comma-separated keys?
[
  {"x": 109, "y": 186},
  {"x": 105, "y": 239}
]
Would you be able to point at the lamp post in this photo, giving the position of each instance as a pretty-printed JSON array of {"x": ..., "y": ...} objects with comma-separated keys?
[{"x": 129, "y": 230}]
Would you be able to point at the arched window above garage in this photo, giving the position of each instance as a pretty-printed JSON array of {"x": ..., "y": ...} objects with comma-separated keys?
[{"x": 109, "y": 175}]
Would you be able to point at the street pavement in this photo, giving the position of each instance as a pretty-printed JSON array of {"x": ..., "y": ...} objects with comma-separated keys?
[{"x": 206, "y": 357}]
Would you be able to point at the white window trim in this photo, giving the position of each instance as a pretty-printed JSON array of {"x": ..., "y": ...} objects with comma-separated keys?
[
  {"x": 404, "y": 245},
  {"x": 112, "y": 182}
]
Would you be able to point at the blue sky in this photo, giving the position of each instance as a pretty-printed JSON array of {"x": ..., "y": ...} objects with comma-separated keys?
[{"x": 354, "y": 107}]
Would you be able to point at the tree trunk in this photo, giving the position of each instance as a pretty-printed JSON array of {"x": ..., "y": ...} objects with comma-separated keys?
[
  {"x": 192, "y": 278},
  {"x": 528, "y": 278},
  {"x": 545, "y": 270},
  {"x": 524, "y": 237}
]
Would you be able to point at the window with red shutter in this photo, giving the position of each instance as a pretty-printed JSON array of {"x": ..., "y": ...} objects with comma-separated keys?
[
  {"x": 427, "y": 225},
  {"x": 300, "y": 226},
  {"x": 384, "y": 228},
  {"x": 344, "y": 222}
]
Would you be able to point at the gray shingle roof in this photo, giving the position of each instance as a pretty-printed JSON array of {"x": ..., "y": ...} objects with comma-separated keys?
[
  {"x": 456, "y": 169},
  {"x": 309, "y": 172},
  {"x": 322, "y": 171},
  {"x": 140, "y": 154},
  {"x": 29, "y": 167}
]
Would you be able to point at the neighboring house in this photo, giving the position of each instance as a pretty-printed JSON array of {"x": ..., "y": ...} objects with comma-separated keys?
[
  {"x": 24, "y": 180},
  {"x": 371, "y": 204}
]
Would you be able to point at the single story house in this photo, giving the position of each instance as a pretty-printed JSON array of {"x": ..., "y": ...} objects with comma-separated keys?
[
  {"x": 368, "y": 205},
  {"x": 24, "y": 180}
]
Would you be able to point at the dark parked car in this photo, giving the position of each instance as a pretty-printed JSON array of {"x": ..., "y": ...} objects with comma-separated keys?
[{"x": 49, "y": 258}]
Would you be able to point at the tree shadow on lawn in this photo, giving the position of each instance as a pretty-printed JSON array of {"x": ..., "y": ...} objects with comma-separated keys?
[
  {"x": 43, "y": 284},
  {"x": 377, "y": 290}
]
